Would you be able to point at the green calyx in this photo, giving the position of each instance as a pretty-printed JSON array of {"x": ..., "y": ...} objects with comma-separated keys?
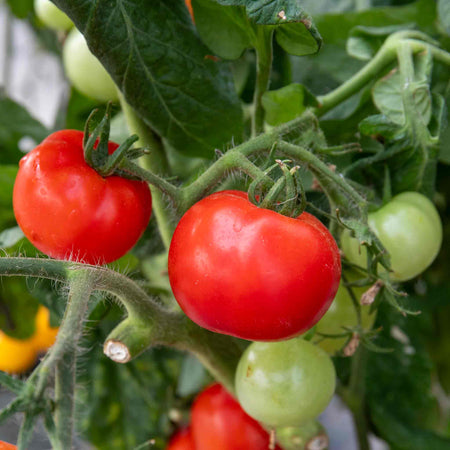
[
  {"x": 95, "y": 146},
  {"x": 286, "y": 196}
]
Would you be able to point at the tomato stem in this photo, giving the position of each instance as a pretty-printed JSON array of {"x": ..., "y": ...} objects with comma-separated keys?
[
  {"x": 264, "y": 55},
  {"x": 149, "y": 165},
  {"x": 385, "y": 56}
]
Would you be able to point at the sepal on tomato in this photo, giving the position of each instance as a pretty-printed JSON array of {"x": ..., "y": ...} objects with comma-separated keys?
[{"x": 97, "y": 152}]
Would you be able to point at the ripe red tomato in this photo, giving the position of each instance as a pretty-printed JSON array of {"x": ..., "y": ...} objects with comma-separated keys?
[
  {"x": 68, "y": 211},
  {"x": 182, "y": 440},
  {"x": 250, "y": 272},
  {"x": 218, "y": 422}
]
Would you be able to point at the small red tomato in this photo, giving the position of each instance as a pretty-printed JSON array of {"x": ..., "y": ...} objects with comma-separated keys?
[
  {"x": 250, "y": 272},
  {"x": 6, "y": 446},
  {"x": 218, "y": 422},
  {"x": 68, "y": 211},
  {"x": 182, "y": 440}
]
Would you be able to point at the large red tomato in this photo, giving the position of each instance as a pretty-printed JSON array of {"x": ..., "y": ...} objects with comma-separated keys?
[
  {"x": 182, "y": 440},
  {"x": 218, "y": 422},
  {"x": 250, "y": 272},
  {"x": 69, "y": 211}
]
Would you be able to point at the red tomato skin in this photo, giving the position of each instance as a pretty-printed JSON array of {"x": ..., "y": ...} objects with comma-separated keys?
[
  {"x": 68, "y": 211},
  {"x": 218, "y": 422},
  {"x": 182, "y": 440},
  {"x": 250, "y": 272},
  {"x": 6, "y": 446}
]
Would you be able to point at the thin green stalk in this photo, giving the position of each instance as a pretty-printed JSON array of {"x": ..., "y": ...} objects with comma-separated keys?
[
  {"x": 356, "y": 393},
  {"x": 382, "y": 59},
  {"x": 385, "y": 56},
  {"x": 155, "y": 162},
  {"x": 264, "y": 55},
  {"x": 149, "y": 323},
  {"x": 318, "y": 167},
  {"x": 63, "y": 354},
  {"x": 232, "y": 160},
  {"x": 26, "y": 431}
]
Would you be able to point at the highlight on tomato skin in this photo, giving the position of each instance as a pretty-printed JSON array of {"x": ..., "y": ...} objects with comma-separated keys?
[
  {"x": 218, "y": 422},
  {"x": 70, "y": 212},
  {"x": 250, "y": 272},
  {"x": 182, "y": 440}
]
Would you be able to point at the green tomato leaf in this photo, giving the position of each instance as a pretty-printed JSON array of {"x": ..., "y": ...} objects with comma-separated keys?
[
  {"x": 380, "y": 124},
  {"x": 388, "y": 92},
  {"x": 295, "y": 30},
  {"x": 225, "y": 30},
  {"x": 184, "y": 96},
  {"x": 444, "y": 14},
  {"x": 364, "y": 42},
  {"x": 287, "y": 103},
  {"x": 16, "y": 123},
  {"x": 192, "y": 376}
]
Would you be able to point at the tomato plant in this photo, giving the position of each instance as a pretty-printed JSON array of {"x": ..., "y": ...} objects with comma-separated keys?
[
  {"x": 182, "y": 440},
  {"x": 285, "y": 383},
  {"x": 68, "y": 211},
  {"x": 234, "y": 269},
  {"x": 410, "y": 228},
  {"x": 85, "y": 71},
  {"x": 219, "y": 422},
  {"x": 266, "y": 130},
  {"x": 51, "y": 16}
]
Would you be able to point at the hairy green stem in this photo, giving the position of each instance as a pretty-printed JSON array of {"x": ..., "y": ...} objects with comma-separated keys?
[
  {"x": 385, "y": 56},
  {"x": 155, "y": 162},
  {"x": 232, "y": 160},
  {"x": 354, "y": 396},
  {"x": 264, "y": 55},
  {"x": 147, "y": 324},
  {"x": 382, "y": 59},
  {"x": 64, "y": 353},
  {"x": 318, "y": 167},
  {"x": 26, "y": 431}
]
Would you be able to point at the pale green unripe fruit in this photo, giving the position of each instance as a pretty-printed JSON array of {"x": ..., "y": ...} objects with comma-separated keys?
[
  {"x": 410, "y": 229},
  {"x": 285, "y": 383},
  {"x": 51, "y": 16},
  {"x": 85, "y": 71}
]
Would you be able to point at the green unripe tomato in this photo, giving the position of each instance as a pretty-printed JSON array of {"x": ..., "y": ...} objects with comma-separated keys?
[
  {"x": 85, "y": 71},
  {"x": 51, "y": 16},
  {"x": 410, "y": 229},
  {"x": 284, "y": 383},
  {"x": 342, "y": 313}
]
